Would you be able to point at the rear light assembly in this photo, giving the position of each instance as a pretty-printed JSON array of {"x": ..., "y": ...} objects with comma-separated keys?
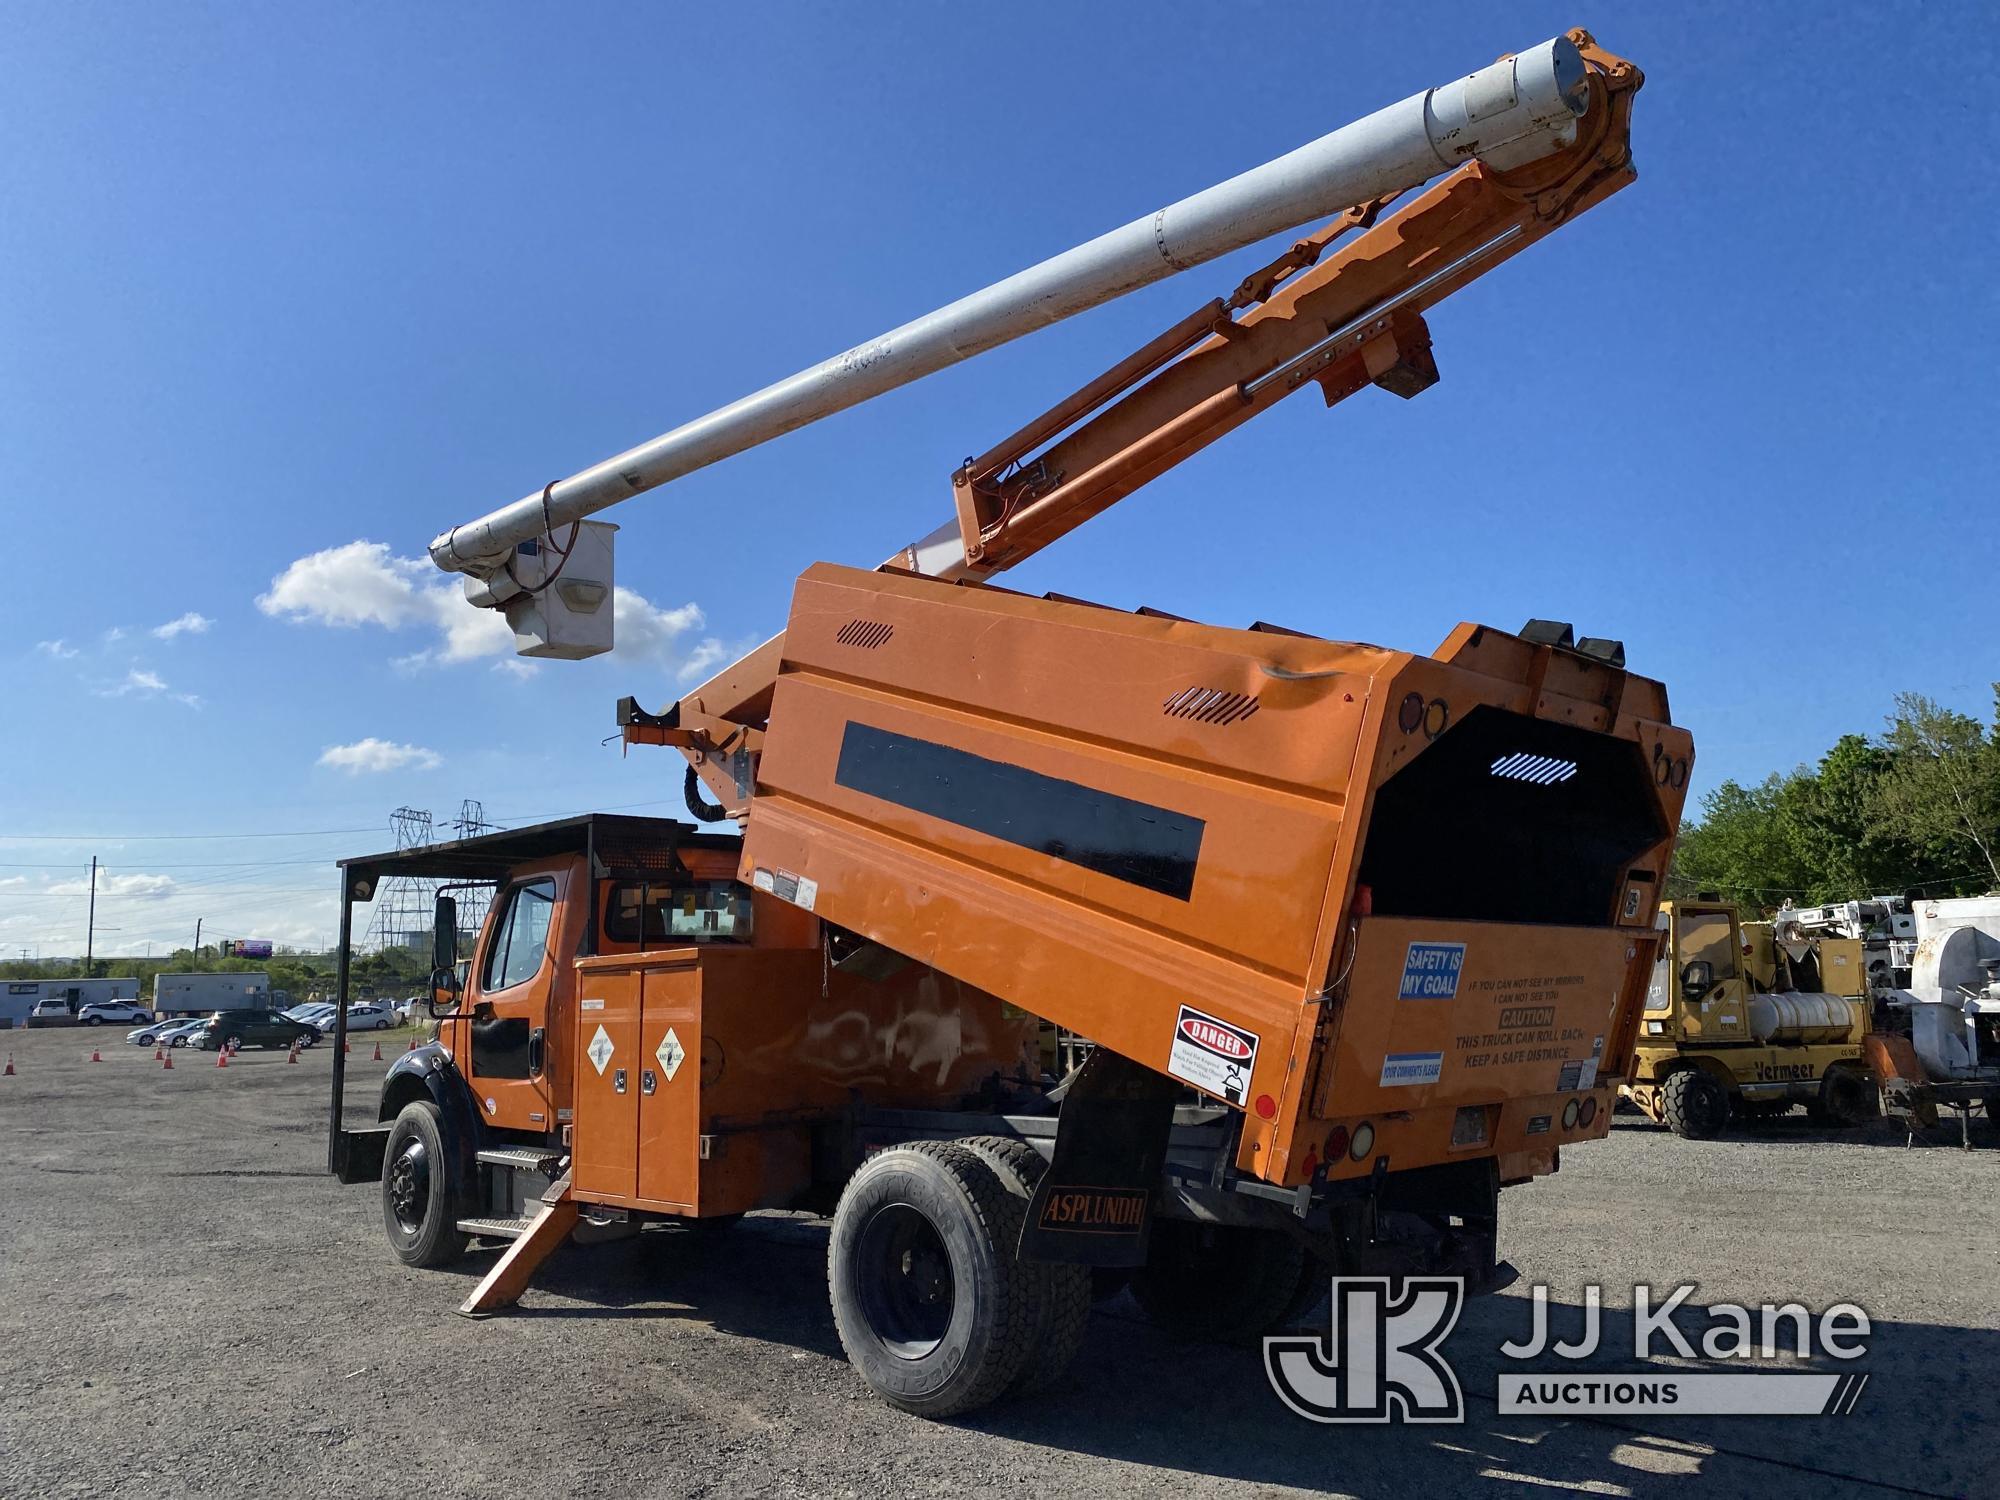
[
  {"x": 1589, "y": 1111},
  {"x": 1572, "y": 1111},
  {"x": 1363, "y": 1142}
]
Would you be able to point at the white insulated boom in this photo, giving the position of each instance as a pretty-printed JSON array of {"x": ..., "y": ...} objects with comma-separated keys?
[{"x": 1515, "y": 111}]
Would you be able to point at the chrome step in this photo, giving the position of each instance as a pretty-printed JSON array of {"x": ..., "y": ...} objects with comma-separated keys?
[
  {"x": 497, "y": 1229},
  {"x": 546, "y": 1160}
]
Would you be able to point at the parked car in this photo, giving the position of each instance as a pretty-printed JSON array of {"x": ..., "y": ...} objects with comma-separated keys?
[
  {"x": 97, "y": 1012},
  {"x": 370, "y": 1015},
  {"x": 155, "y": 1032},
  {"x": 51, "y": 1012},
  {"x": 252, "y": 1028},
  {"x": 315, "y": 1016},
  {"x": 180, "y": 1033}
]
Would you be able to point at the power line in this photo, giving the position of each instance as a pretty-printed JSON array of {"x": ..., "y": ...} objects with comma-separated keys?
[{"x": 134, "y": 838}]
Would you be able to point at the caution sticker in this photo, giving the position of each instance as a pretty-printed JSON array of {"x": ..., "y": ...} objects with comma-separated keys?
[
  {"x": 786, "y": 886},
  {"x": 1212, "y": 1054}
]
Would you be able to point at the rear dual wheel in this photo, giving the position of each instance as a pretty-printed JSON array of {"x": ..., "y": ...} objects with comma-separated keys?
[
  {"x": 935, "y": 1307},
  {"x": 1226, "y": 1282}
]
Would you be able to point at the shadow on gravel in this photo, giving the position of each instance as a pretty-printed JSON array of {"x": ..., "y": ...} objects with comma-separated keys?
[{"x": 1923, "y": 1426}]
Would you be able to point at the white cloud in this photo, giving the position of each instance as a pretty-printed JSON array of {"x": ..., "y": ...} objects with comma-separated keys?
[
  {"x": 114, "y": 635},
  {"x": 142, "y": 887},
  {"x": 13, "y": 880},
  {"x": 60, "y": 650},
  {"x": 373, "y": 755},
  {"x": 137, "y": 681},
  {"x": 188, "y": 624},
  {"x": 516, "y": 666},
  {"x": 711, "y": 653},
  {"x": 645, "y": 632},
  {"x": 364, "y": 583}
]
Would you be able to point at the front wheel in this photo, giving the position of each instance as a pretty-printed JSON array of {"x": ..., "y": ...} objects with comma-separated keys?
[
  {"x": 935, "y": 1310},
  {"x": 1847, "y": 1097},
  {"x": 1696, "y": 1106},
  {"x": 93, "y": 1020},
  {"x": 419, "y": 1197}
]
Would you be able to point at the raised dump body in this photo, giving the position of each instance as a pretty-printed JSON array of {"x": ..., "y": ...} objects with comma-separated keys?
[{"x": 1327, "y": 884}]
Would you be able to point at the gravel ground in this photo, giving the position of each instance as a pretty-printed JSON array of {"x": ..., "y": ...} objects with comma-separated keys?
[{"x": 189, "y": 1306}]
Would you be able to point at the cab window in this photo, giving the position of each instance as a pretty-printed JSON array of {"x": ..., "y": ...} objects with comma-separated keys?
[
  {"x": 1709, "y": 937},
  {"x": 688, "y": 912},
  {"x": 521, "y": 936}
]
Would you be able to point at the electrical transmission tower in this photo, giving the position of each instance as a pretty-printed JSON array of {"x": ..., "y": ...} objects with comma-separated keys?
[
  {"x": 474, "y": 900},
  {"x": 402, "y": 916}
]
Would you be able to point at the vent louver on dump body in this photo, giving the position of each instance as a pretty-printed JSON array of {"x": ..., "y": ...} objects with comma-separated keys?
[
  {"x": 1542, "y": 770},
  {"x": 866, "y": 634},
  {"x": 1210, "y": 706}
]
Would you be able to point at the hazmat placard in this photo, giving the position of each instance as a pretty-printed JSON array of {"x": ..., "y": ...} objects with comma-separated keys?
[
  {"x": 1212, "y": 1054},
  {"x": 600, "y": 1050},
  {"x": 670, "y": 1054}
]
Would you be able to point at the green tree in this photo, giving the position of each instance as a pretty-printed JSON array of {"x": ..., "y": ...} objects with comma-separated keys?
[{"x": 1944, "y": 786}]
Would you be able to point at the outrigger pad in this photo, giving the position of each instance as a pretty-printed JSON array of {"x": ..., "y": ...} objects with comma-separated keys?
[{"x": 1094, "y": 1205}]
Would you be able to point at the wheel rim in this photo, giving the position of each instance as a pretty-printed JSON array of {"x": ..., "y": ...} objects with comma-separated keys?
[
  {"x": 410, "y": 1186},
  {"x": 905, "y": 1281}
]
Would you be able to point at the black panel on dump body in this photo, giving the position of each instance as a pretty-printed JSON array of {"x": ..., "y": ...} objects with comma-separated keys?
[
  {"x": 1143, "y": 845},
  {"x": 1511, "y": 819}
]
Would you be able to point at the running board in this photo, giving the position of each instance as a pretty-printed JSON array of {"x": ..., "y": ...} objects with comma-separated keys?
[{"x": 549, "y": 1227}]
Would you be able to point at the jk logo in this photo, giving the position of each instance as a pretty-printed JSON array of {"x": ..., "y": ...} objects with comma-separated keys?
[{"x": 1380, "y": 1361}]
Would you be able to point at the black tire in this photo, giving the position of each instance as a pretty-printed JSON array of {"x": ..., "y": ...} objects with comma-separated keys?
[
  {"x": 933, "y": 1306},
  {"x": 93, "y": 1020},
  {"x": 1218, "y": 1281},
  {"x": 1064, "y": 1295},
  {"x": 1696, "y": 1105},
  {"x": 1847, "y": 1097},
  {"x": 419, "y": 1190}
]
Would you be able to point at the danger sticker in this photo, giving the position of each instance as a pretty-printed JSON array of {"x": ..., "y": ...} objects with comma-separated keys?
[
  {"x": 1400, "y": 1069},
  {"x": 789, "y": 887},
  {"x": 1212, "y": 1054},
  {"x": 1431, "y": 970}
]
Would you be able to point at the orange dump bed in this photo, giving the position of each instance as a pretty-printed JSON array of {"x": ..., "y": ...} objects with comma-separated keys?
[{"x": 1320, "y": 881}]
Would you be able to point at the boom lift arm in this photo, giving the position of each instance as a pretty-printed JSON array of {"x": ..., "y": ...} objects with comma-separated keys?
[{"x": 1342, "y": 322}]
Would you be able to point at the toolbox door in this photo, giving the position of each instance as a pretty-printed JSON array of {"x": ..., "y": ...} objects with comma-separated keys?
[
  {"x": 669, "y": 1077},
  {"x": 604, "y": 1155}
]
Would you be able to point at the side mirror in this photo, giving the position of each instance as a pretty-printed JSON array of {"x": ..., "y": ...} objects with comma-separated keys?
[
  {"x": 444, "y": 933},
  {"x": 1697, "y": 979}
]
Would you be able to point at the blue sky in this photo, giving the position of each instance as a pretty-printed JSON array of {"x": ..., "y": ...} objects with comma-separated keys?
[{"x": 280, "y": 281}]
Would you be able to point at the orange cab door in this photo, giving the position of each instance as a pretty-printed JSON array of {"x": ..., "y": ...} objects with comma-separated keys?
[
  {"x": 1718, "y": 1011},
  {"x": 501, "y": 1039}
]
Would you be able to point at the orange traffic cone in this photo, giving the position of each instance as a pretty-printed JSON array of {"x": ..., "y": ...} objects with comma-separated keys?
[
  {"x": 10, "y": 1067},
  {"x": 222, "y": 1055},
  {"x": 293, "y": 1055},
  {"x": 158, "y": 1053},
  {"x": 170, "y": 1064},
  {"x": 378, "y": 1052},
  {"x": 95, "y": 1055},
  {"x": 413, "y": 1045},
  {"x": 347, "y": 1046}
]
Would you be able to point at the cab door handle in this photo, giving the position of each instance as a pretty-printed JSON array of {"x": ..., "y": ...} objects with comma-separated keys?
[{"x": 537, "y": 1046}]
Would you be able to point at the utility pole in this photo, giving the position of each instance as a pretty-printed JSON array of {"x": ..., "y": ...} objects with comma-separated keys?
[
  {"x": 197, "y": 938},
  {"x": 90, "y": 932}
]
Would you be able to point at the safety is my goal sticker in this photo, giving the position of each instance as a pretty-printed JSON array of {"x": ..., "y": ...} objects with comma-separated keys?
[{"x": 1212, "y": 1054}]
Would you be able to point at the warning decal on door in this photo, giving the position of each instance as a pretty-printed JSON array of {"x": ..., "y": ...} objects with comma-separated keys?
[
  {"x": 670, "y": 1054},
  {"x": 600, "y": 1050},
  {"x": 1212, "y": 1054}
]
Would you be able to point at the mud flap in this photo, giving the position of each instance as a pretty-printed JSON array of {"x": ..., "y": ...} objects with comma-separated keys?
[{"x": 1094, "y": 1205}]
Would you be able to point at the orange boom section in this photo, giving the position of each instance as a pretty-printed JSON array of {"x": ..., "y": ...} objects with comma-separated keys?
[{"x": 1325, "y": 883}]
